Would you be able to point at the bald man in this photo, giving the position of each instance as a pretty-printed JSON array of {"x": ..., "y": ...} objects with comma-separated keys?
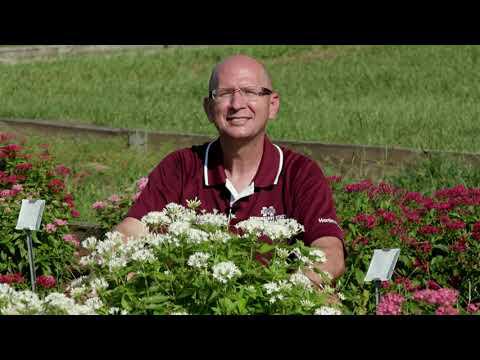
[{"x": 243, "y": 173}]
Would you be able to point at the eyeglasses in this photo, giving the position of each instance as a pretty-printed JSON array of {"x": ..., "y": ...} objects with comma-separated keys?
[{"x": 250, "y": 93}]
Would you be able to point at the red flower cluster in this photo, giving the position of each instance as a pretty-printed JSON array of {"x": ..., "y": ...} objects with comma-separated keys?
[
  {"x": 9, "y": 151},
  {"x": 62, "y": 170},
  {"x": 388, "y": 217},
  {"x": 476, "y": 231},
  {"x": 429, "y": 230},
  {"x": 56, "y": 185},
  {"x": 4, "y": 137},
  {"x": 23, "y": 167},
  {"x": 12, "y": 279},
  {"x": 359, "y": 187},
  {"x": 368, "y": 221},
  {"x": 460, "y": 245},
  {"x": 406, "y": 283},
  {"x": 47, "y": 282}
]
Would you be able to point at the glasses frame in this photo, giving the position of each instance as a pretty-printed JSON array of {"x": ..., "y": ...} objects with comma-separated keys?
[{"x": 263, "y": 92}]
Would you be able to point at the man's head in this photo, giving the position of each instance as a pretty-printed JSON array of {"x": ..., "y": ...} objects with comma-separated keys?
[{"x": 241, "y": 98}]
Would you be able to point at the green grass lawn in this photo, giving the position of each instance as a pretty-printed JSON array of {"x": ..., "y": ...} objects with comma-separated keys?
[{"x": 409, "y": 96}]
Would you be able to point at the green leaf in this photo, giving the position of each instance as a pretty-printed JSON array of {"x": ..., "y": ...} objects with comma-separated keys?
[
  {"x": 359, "y": 276},
  {"x": 156, "y": 299},
  {"x": 266, "y": 248},
  {"x": 125, "y": 303}
]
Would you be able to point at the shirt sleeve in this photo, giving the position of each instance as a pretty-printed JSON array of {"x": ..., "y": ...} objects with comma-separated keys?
[
  {"x": 164, "y": 187},
  {"x": 314, "y": 205}
]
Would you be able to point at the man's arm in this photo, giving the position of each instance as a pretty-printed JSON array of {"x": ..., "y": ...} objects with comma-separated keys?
[
  {"x": 335, "y": 264},
  {"x": 131, "y": 227}
]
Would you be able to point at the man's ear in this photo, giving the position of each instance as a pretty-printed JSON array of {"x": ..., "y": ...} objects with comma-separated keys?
[
  {"x": 207, "y": 107},
  {"x": 274, "y": 106}
]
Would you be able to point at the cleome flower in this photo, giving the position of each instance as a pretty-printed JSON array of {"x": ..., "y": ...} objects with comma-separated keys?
[{"x": 225, "y": 271}]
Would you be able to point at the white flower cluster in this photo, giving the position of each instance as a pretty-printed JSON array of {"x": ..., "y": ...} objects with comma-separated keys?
[
  {"x": 179, "y": 213},
  {"x": 225, "y": 271},
  {"x": 215, "y": 219},
  {"x": 318, "y": 256},
  {"x": 220, "y": 237},
  {"x": 114, "y": 253},
  {"x": 278, "y": 230},
  {"x": 27, "y": 303},
  {"x": 300, "y": 279},
  {"x": 277, "y": 289},
  {"x": 84, "y": 288},
  {"x": 198, "y": 260},
  {"x": 156, "y": 218},
  {"x": 327, "y": 311}
]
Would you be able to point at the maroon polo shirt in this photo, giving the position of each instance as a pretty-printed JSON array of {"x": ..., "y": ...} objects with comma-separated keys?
[{"x": 287, "y": 185}]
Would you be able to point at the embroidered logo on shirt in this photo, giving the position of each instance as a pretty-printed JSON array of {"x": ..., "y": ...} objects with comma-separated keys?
[
  {"x": 269, "y": 214},
  {"x": 327, "y": 221}
]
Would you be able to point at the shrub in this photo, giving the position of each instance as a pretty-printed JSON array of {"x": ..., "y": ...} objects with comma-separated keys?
[{"x": 27, "y": 173}]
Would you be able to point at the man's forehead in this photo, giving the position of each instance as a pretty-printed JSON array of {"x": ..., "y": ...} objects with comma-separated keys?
[{"x": 240, "y": 68}]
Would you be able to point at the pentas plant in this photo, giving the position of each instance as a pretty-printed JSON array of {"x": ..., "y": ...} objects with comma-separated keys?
[
  {"x": 439, "y": 240},
  {"x": 192, "y": 263},
  {"x": 112, "y": 211},
  {"x": 30, "y": 173}
]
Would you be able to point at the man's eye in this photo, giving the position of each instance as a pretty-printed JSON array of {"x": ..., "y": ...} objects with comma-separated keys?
[
  {"x": 251, "y": 92},
  {"x": 223, "y": 93}
]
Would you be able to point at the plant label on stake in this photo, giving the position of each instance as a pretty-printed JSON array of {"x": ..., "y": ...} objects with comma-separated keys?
[
  {"x": 30, "y": 219},
  {"x": 381, "y": 268},
  {"x": 31, "y": 213}
]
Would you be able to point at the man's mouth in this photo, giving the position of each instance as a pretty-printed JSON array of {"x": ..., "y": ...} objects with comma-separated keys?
[{"x": 238, "y": 118}]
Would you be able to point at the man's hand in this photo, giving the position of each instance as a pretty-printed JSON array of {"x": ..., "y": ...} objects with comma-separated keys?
[
  {"x": 335, "y": 264},
  {"x": 131, "y": 227}
]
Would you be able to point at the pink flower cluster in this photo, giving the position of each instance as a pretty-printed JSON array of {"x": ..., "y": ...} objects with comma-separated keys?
[
  {"x": 99, "y": 205},
  {"x": 390, "y": 304},
  {"x": 47, "y": 282},
  {"x": 473, "y": 308},
  {"x": 14, "y": 191},
  {"x": 141, "y": 185},
  {"x": 441, "y": 297},
  {"x": 72, "y": 239}
]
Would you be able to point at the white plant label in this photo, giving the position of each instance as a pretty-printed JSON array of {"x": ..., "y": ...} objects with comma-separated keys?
[
  {"x": 382, "y": 265},
  {"x": 31, "y": 213}
]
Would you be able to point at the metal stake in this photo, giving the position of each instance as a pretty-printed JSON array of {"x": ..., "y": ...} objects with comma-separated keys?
[
  {"x": 377, "y": 292},
  {"x": 31, "y": 260}
]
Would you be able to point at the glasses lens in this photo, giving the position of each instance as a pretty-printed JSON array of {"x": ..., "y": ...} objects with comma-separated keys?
[{"x": 249, "y": 93}]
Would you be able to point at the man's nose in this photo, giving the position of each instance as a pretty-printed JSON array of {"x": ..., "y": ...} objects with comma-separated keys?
[{"x": 238, "y": 100}]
